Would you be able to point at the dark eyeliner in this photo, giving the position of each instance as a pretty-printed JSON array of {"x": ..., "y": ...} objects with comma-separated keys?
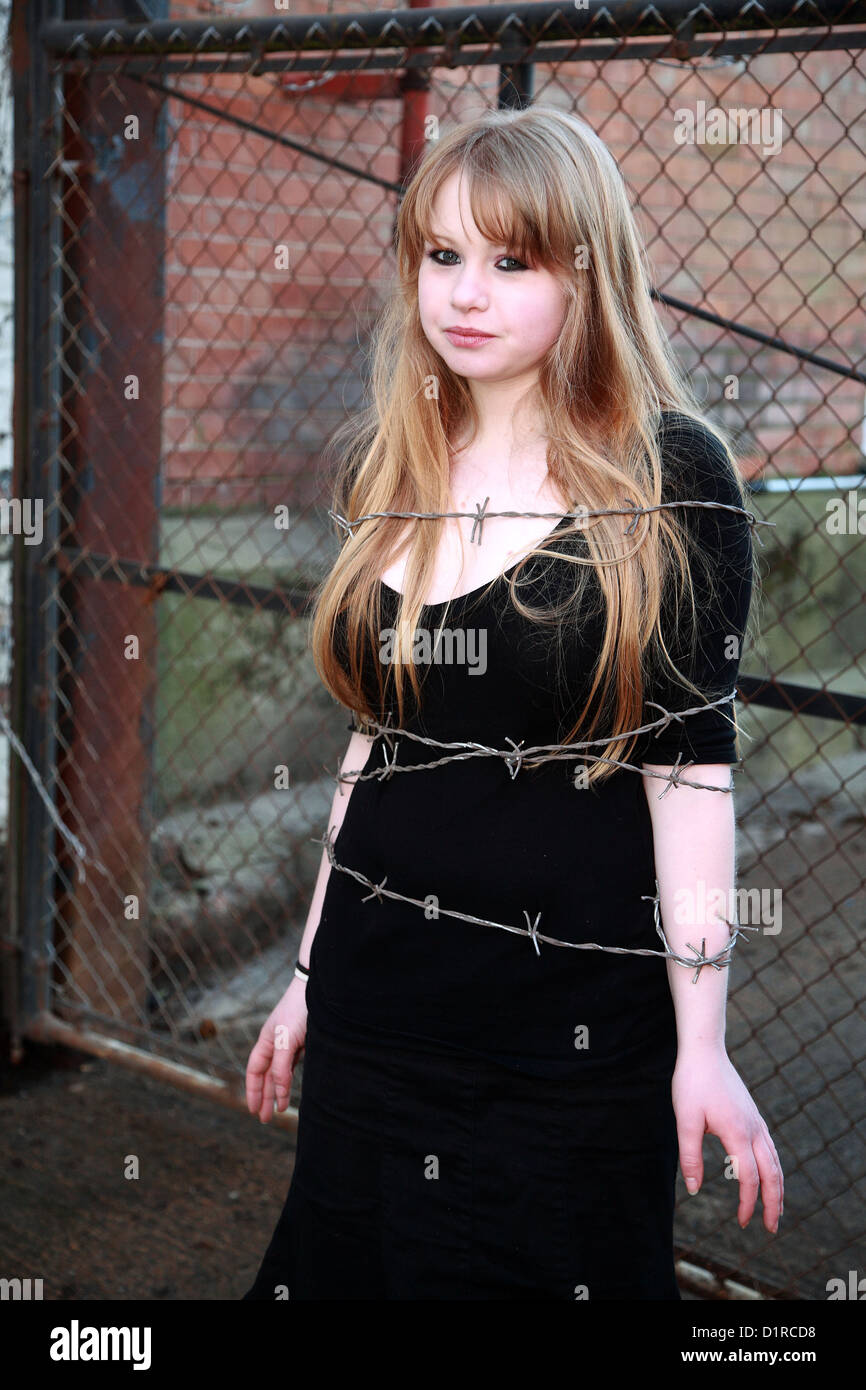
[{"x": 439, "y": 251}]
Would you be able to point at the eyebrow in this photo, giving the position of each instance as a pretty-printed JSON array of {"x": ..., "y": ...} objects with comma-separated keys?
[{"x": 443, "y": 236}]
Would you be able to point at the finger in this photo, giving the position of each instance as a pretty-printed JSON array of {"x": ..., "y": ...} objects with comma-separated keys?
[
  {"x": 770, "y": 1172},
  {"x": 281, "y": 1071},
  {"x": 747, "y": 1172},
  {"x": 254, "y": 1078},
  {"x": 257, "y": 1066},
  {"x": 282, "y": 1086},
  {"x": 282, "y": 1066},
  {"x": 690, "y": 1138},
  {"x": 778, "y": 1163},
  {"x": 267, "y": 1107}
]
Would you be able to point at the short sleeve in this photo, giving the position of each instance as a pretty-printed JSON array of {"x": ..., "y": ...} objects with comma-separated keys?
[{"x": 697, "y": 468}]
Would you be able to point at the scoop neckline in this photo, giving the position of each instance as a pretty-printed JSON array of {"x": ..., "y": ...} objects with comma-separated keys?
[{"x": 495, "y": 579}]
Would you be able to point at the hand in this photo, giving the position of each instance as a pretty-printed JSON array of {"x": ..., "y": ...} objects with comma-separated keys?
[
  {"x": 272, "y": 1061},
  {"x": 709, "y": 1097}
]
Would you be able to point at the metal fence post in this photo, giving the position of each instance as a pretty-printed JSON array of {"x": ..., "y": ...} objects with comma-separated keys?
[
  {"x": 30, "y": 903},
  {"x": 113, "y": 192}
]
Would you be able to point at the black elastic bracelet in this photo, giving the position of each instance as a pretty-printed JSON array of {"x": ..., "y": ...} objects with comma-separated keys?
[{"x": 302, "y": 971}]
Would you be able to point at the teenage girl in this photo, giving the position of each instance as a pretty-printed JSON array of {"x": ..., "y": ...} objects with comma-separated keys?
[{"x": 489, "y": 1109}]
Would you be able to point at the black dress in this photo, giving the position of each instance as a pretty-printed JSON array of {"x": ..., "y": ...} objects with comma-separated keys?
[{"x": 485, "y": 1116}]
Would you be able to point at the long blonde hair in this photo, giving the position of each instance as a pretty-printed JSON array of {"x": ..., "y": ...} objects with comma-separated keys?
[{"x": 543, "y": 184}]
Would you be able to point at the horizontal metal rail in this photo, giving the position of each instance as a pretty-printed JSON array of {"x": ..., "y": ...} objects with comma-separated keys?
[
  {"x": 449, "y": 29},
  {"x": 47, "y": 1028},
  {"x": 669, "y": 50}
]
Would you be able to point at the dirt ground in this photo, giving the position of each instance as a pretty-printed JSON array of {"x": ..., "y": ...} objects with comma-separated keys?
[{"x": 195, "y": 1223}]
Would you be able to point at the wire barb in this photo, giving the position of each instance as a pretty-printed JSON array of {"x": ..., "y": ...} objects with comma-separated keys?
[
  {"x": 533, "y": 930},
  {"x": 481, "y": 514},
  {"x": 514, "y": 761}
]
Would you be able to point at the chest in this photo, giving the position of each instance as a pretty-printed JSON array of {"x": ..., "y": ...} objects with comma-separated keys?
[
  {"x": 486, "y": 667},
  {"x": 470, "y": 554}
]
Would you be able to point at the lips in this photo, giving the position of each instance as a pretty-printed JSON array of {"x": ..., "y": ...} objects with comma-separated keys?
[{"x": 467, "y": 337}]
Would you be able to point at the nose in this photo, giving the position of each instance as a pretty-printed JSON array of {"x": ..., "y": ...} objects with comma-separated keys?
[{"x": 469, "y": 290}]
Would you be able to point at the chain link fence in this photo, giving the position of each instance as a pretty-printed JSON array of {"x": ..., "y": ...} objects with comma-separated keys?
[{"x": 204, "y": 227}]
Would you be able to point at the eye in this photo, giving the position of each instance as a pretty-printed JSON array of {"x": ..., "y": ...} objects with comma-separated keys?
[{"x": 431, "y": 255}]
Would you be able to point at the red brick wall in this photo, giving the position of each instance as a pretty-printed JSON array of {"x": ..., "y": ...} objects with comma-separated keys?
[{"x": 263, "y": 363}]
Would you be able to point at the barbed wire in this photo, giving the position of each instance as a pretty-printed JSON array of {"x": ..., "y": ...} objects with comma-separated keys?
[
  {"x": 481, "y": 514},
  {"x": 717, "y": 960},
  {"x": 517, "y": 757}
]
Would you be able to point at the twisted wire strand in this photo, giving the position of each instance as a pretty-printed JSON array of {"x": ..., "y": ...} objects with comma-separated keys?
[
  {"x": 481, "y": 514},
  {"x": 717, "y": 960},
  {"x": 517, "y": 757}
]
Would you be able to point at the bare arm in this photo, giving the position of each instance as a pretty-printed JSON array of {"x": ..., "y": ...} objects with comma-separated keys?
[
  {"x": 353, "y": 760},
  {"x": 694, "y": 846},
  {"x": 281, "y": 1039},
  {"x": 693, "y": 835}
]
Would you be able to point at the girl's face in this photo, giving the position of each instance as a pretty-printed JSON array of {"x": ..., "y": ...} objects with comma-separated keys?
[{"x": 464, "y": 281}]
